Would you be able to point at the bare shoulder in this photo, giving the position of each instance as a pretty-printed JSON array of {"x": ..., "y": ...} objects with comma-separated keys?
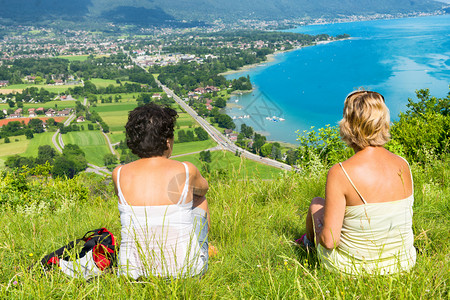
[
  {"x": 335, "y": 171},
  {"x": 115, "y": 172},
  {"x": 192, "y": 168}
]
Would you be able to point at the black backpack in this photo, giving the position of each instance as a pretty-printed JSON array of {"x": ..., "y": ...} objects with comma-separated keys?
[{"x": 97, "y": 255}]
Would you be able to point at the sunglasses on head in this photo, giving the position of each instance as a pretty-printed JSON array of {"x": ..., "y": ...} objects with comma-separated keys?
[{"x": 363, "y": 92}]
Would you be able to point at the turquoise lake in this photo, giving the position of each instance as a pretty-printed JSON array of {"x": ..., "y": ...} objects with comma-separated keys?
[{"x": 307, "y": 87}]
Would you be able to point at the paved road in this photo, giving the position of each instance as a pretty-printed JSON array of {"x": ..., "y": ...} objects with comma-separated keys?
[{"x": 56, "y": 135}]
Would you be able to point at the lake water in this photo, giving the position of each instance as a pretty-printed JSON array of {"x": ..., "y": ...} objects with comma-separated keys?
[{"x": 307, "y": 87}]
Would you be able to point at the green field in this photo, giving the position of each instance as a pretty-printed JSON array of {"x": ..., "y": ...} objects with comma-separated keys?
[
  {"x": 115, "y": 114},
  {"x": 228, "y": 162},
  {"x": 116, "y": 136},
  {"x": 93, "y": 144},
  {"x": 51, "y": 88},
  {"x": 40, "y": 139},
  {"x": 181, "y": 148},
  {"x": 12, "y": 148},
  {"x": 74, "y": 57},
  {"x": 51, "y": 104}
]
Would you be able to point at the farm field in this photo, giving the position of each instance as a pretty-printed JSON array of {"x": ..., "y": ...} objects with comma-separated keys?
[
  {"x": 182, "y": 148},
  {"x": 74, "y": 57},
  {"x": 39, "y": 139},
  {"x": 228, "y": 162},
  {"x": 115, "y": 114},
  {"x": 51, "y": 88},
  {"x": 93, "y": 144},
  {"x": 51, "y": 104},
  {"x": 18, "y": 145},
  {"x": 116, "y": 136}
]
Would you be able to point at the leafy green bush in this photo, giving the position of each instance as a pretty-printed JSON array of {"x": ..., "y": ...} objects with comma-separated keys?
[{"x": 324, "y": 146}]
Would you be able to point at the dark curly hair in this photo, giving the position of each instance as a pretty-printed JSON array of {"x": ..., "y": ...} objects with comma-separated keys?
[{"x": 148, "y": 129}]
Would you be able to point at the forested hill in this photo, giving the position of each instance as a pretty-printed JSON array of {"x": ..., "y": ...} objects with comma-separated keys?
[{"x": 179, "y": 12}]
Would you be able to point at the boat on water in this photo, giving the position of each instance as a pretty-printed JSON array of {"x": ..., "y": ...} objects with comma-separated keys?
[{"x": 275, "y": 119}]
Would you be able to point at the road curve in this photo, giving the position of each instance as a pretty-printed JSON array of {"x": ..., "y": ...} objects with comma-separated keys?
[{"x": 218, "y": 137}]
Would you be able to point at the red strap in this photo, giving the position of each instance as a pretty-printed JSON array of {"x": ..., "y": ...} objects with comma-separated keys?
[{"x": 100, "y": 257}]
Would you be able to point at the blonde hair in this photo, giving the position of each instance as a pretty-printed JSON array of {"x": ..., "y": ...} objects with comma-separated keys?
[{"x": 365, "y": 120}]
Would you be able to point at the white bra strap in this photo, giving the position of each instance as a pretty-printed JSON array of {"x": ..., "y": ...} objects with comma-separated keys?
[
  {"x": 348, "y": 177},
  {"x": 186, "y": 186},
  {"x": 119, "y": 190}
]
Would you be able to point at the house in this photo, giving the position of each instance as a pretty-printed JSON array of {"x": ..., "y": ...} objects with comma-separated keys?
[
  {"x": 156, "y": 96},
  {"x": 14, "y": 115},
  {"x": 31, "y": 112},
  {"x": 228, "y": 131},
  {"x": 64, "y": 113},
  {"x": 233, "y": 137},
  {"x": 210, "y": 89},
  {"x": 199, "y": 90},
  {"x": 4, "y": 83},
  {"x": 50, "y": 112},
  {"x": 208, "y": 104},
  {"x": 18, "y": 111},
  {"x": 80, "y": 119}
]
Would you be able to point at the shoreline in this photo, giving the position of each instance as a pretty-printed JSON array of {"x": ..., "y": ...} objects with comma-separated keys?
[{"x": 270, "y": 58}]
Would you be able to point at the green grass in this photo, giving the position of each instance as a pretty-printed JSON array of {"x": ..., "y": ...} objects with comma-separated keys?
[
  {"x": 181, "y": 148},
  {"x": 74, "y": 57},
  {"x": 227, "y": 162},
  {"x": 46, "y": 105},
  {"x": 253, "y": 224},
  {"x": 12, "y": 148},
  {"x": 51, "y": 88},
  {"x": 40, "y": 139},
  {"x": 93, "y": 144},
  {"x": 103, "y": 82},
  {"x": 116, "y": 136}
]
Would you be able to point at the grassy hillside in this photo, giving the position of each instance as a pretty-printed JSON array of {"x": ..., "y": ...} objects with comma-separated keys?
[{"x": 253, "y": 225}]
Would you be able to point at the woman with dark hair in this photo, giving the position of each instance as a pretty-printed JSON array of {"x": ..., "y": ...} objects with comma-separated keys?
[
  {"x": 364, "y": 224},
  {"x": 163, "y": 209}
]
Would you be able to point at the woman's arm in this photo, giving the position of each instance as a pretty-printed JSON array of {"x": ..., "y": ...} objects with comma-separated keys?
[
  {"x": 198, "y": 182},
  {"x": 201, "y": 202},
  {"x": 335, "y": 203}
]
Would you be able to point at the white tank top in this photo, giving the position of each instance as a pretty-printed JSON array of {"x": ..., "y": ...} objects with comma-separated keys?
[{"x": 158, "y": 240}]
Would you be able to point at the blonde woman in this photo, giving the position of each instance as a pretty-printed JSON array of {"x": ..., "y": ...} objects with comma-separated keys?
[{"x": 364, "y": 224}]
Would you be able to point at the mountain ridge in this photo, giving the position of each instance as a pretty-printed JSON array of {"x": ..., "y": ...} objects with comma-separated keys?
[{"x": 166, "y": 12}]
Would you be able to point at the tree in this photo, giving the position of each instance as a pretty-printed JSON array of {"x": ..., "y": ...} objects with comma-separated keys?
[
  {"x": 205, "y": 156},
  {"x": 182, "y": 136},
  {"x": 6, "y": 141},
  {"x": 202, "y": 135},
  {"x": 220, "y": 102},
  {"x": 291, "y": 157},
  {"x": 36, "y": 125},
  {"x": 45, "y": 154},
  {"x": 258, "y": 141},
  {"x": 105, "y": 127},
  {"x": 189, "y": 136},
  {"x": 225, "y": 121},
  {"x": 266, "y": 149},
  {"x": 110, "y": 160},
  {"x": 247, "y": 131},
  {"x": 29, "y": 134},
  {"x": 51, "y": 122}
]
